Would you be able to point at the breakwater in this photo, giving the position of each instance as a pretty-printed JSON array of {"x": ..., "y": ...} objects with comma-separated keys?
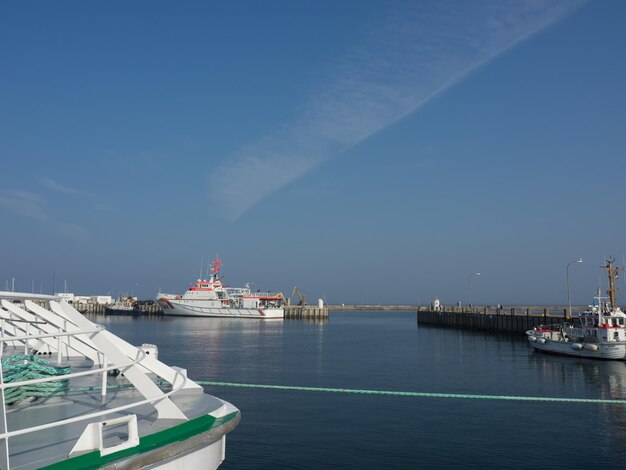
[{"x": 517, "y": 319}]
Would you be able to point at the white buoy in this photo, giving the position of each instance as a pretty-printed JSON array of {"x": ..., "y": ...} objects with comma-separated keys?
[{"x": 577, "y": 346}]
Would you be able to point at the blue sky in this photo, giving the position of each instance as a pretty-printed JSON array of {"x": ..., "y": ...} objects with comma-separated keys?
[{"x": 364, "y": 151}]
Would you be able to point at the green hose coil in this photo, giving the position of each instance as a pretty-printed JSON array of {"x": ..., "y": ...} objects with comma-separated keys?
[{"x": 21, "y": 367}]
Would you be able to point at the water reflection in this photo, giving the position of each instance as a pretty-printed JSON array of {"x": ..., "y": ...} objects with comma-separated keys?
[
  {"x": 608, "y": 378},
  {"x": 231, "y": 349},
  {"x": 586, "y": 378},
  {"x": 316, "y": 321}
]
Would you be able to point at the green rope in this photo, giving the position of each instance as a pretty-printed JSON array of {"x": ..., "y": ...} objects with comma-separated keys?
[
  {"x": 21, "y": 367},
  {"x": 413, "y": 394},
  {"x": 378, "y": 392}
]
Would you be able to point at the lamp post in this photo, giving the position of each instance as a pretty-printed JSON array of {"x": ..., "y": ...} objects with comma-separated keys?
[
  {"x": 469, "y": 288},
  {"x": 569, "y": 302}
]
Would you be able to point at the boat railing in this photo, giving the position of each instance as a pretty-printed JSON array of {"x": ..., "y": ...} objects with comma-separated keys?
[
  {"x": 237, "y": 291},
  {"x": 553, "y": 327},
  {"x": 71, "y": 342},
  {"x": 18, "y": 432}
]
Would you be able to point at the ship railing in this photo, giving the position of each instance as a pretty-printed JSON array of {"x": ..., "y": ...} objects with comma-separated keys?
[
  {"x": 237, "y": 291},
  {"x": 83, "y": 335},
  {"x": 552, "y": 326}
]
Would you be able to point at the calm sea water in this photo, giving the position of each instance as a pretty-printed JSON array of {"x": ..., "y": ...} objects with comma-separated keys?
[{"x": 388, "y": 351}]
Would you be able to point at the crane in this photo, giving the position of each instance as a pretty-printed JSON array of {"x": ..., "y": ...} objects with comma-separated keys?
[{"x": 302, "y": 297}]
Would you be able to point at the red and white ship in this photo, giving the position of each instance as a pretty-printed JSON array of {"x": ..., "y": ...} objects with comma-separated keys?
[{"x": 212, "y": 299}]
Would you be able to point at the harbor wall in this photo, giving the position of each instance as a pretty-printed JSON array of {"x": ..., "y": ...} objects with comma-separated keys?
[
  {"x": 306, "y": 311},
  {"x": 495, "y": 319}
]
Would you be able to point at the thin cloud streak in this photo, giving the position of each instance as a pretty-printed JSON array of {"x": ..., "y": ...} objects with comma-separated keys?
[
  {"x": 32, "y": 206},
  {"x": 24, "y": 203},
  {"x": 61, "y": 188},
  {"x": 418, "y": 52}
]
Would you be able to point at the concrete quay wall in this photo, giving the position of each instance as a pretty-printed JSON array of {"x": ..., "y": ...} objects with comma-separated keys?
[
  {"x": 502, "y": 320},
  {"x": 307, "y": 311}
]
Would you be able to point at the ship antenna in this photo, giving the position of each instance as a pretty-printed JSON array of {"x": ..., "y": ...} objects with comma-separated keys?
[
  {"x": 624, "y": 266},
  {"x": 217, "y": 264}
]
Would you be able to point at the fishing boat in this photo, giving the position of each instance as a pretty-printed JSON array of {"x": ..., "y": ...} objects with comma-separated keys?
[
  {"x": 598, "y": 333},
  {"x": 210, "y": 298},
  {"x": 124, "y": 306},
  {"x": 76, "y": 396}
]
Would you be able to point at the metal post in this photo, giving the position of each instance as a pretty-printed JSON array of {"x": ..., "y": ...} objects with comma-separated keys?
[
  {"x": 26, "y": 351},
  {"x": 103, "y": 390},
  {"x": 59, "y": 347},
  {"x": 4, "y": 443}
]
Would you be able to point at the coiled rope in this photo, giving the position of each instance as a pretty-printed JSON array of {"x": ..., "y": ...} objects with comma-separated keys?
[
  {"x": 21, "y": 367},
  {"x": 413, "y": 394}
]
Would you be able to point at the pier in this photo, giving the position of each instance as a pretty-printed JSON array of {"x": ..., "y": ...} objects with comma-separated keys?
[
  {"x": 305, "y": 311},
  {"x": 510, "y": 319}
]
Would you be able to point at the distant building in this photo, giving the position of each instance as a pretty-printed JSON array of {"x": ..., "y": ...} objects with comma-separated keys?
[
  {"x": 85, "y": 299},
  {"x": 67, "y": 296}
]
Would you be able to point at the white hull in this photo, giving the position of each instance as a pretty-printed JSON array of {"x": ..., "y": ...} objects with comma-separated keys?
[
  {"x": 199, "y": 308},
  {"x": 605, "y": 350}
]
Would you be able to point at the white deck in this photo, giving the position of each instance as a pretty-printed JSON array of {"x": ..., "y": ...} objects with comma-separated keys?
[{"x": 41, "y": 431}]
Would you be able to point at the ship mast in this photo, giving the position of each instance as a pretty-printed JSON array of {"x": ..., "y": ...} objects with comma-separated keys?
[{"x": 613, "y": 272}]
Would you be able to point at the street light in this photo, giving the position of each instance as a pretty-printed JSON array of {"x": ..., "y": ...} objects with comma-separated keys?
[
  {"x": 569, "y": 302},
  {"x": 469, "y": 287}
]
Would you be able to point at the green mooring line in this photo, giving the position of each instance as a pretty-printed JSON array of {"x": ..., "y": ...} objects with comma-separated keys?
[{"x": 411, "y": 394}]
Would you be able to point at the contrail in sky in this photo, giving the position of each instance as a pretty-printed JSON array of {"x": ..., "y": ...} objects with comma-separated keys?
[{"x": 420, "y": 50}]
